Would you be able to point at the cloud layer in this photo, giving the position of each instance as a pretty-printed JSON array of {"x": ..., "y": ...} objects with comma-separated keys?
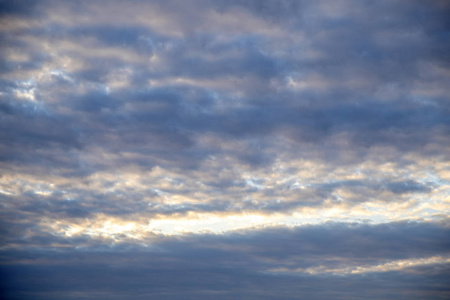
[{"x": 226, "y": 149}]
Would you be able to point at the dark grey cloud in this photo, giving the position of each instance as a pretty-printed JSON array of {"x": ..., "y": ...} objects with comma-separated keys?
[
  {"x": 233, "y": 266},
  {"x": 21, "y": 8}
]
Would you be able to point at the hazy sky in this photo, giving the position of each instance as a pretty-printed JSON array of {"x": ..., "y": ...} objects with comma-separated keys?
[{"x": 225, "y": 149}]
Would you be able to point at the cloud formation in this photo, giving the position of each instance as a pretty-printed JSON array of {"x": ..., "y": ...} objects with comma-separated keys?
[{"x": 243, "y": 145}]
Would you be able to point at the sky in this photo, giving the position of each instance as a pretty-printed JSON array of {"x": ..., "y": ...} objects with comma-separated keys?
[{"x": 225, "y": 149}]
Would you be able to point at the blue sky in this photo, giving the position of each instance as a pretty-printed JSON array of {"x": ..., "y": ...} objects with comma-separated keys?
[{"x": 225, "y": 149}]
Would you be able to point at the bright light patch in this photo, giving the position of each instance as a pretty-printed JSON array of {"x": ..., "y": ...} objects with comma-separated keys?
[
  {"x": 208, "y": 224},
  {"x": 5, "y": 192},
  {"x": 201, "y": 223}
]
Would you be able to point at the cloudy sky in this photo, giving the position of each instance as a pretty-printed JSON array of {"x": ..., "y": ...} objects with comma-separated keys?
[{"x": 225, "y": 149}]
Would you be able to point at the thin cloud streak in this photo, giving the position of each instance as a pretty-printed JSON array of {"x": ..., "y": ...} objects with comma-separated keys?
[{"x": 396, "y": 265}]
